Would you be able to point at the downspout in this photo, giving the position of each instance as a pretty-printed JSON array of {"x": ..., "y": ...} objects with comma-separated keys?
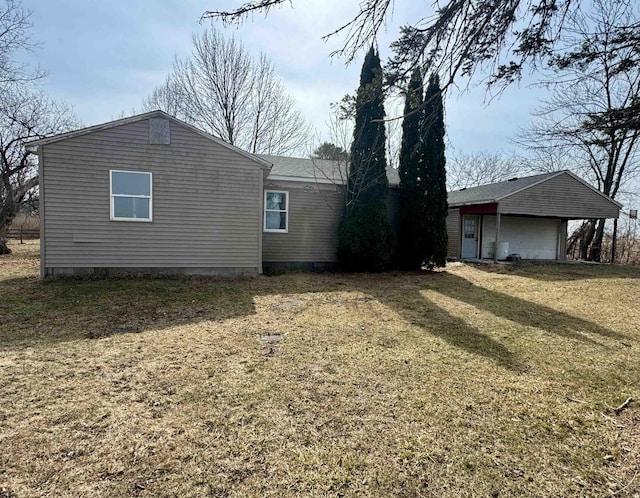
[{"x": 260, "y": 218}]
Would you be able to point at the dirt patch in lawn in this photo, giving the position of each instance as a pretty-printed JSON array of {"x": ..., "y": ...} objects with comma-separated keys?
[{"x": 462, "y": 382}]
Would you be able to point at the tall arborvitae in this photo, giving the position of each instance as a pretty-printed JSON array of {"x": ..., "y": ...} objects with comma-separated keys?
[
  {"x": 435, "y": 163},
  {"x": 366, "y": 239},
  {"x": 412, "y": 237}
]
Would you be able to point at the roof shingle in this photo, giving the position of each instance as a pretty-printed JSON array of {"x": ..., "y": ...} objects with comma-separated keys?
[{"x": 316, "y": 169}]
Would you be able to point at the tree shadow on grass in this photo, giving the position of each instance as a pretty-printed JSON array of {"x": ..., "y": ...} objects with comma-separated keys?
[
  {"x": 420, "y": 311},
  {"x": 33, "y": 312},
  {"x": 70, "y": 309},
  {"x": 522, "y": 311},
  {"x": 67, "y": 309},
  {"x": 560, "y": 271}
]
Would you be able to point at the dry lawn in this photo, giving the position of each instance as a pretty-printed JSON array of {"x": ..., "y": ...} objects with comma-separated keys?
[{"x": 473, "y": 381}]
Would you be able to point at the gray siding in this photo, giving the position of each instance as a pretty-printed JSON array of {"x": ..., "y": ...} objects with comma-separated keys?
[
  {"x": 453, "y": 232},
  {"x": 561, "y": 197},
  {"x": 206, "y": 202},
  {"x": 315, "y": 211},
  {"x": 393, "y": 207},
  {"x": 314, "y": 214}
]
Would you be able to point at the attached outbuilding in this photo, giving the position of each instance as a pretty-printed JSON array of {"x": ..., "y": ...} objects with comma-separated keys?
[{"x": 522, "y": 217}]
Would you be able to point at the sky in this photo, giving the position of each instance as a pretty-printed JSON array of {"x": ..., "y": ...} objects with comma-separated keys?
[{"x": 104, "y": 58}]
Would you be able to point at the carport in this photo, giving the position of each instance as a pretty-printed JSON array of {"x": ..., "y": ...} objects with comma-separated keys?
[{"x": 526, "y": 216}]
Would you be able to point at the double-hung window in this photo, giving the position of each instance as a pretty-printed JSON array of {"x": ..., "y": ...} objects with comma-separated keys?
[
  {"x": 276, "y": 211},
  {"x": 131, "y": 196}
]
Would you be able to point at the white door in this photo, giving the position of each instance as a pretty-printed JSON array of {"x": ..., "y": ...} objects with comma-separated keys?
[{"x": 470, "y": 227}]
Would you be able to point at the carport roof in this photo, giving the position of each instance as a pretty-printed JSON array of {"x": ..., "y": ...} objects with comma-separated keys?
[{"x": 495, "y": 192}]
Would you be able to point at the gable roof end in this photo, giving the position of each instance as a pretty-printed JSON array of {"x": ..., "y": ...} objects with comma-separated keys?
[
  {"x": 576, "y": 177},
  {"x": 140, "y": 117}
]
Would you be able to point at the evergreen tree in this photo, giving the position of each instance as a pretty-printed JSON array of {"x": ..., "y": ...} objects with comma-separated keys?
[
  {"x": 366, "y": 239},
  {"x": 328, "y": 150},
  {"x": 412, "y": 237},
  {"x": 435, "y": 163}
]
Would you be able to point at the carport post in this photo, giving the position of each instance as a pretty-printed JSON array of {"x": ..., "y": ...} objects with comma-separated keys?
[
  {"x": 614, "y": 242},
  {"x": 495, "y": 251}
]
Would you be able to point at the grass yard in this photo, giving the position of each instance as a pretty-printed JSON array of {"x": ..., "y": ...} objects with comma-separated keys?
[{"x": 473, "y": 381}]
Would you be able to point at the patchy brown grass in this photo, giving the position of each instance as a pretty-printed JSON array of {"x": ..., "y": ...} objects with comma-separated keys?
[{"x": 474, "y": 381}]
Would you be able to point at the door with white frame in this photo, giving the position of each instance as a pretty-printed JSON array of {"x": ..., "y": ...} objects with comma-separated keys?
[{"x": 470, "y": 236}]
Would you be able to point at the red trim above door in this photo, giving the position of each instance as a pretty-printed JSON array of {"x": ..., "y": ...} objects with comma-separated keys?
[{"x": 479, "y": 209}]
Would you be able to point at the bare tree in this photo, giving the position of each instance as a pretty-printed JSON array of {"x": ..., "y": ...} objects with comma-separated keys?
[
  {"x": 24, "y": 115},
  {"x": 547, "y": 160},
  {"x": 628, "y": 241},
  {"x": 166, "y": 97},
  {"x": 277, "y": 126},
  {"x": 471, "y": 170},
  {"x": 588, "y": 116},
  {"x": 15, "y": 36},
  {"x": 223, "y": 90},
  {"x": 330, "y": 158}
]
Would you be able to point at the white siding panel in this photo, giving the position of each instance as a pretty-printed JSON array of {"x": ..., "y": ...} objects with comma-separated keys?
[{"x": 532, "y": 238}]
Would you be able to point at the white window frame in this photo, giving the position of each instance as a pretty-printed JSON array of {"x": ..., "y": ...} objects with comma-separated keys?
[
  {"x": 286, "y": 211},
  {"x": 112, "y": 196}
]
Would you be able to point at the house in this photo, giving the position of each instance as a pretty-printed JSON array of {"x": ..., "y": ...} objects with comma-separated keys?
[
  {"x": 150, "y": 193},
  {"x": 526, "y": 216}
]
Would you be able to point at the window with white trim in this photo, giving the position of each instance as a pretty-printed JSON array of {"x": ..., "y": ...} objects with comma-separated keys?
[
  {"x": 131, "y": 195},
  {"x": 276, "y": 211}
]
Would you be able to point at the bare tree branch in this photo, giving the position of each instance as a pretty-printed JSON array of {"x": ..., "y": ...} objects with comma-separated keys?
[
  {"x": 454, "y": 36},
  {"x": 224, "y": 91},
  {"x": 14, "y": 36},
  {"x": 471, "y": 170},
  {"x": 24, "y": 115}
]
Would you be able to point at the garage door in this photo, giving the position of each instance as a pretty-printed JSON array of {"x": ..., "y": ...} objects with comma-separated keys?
[{"x": 532, "y": 238}]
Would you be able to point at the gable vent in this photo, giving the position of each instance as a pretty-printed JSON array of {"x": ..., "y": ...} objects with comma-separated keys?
[{"x": 159, "y": 131}]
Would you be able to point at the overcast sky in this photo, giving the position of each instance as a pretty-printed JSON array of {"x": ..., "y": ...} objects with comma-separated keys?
[{"x": 104, "y": 58}]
